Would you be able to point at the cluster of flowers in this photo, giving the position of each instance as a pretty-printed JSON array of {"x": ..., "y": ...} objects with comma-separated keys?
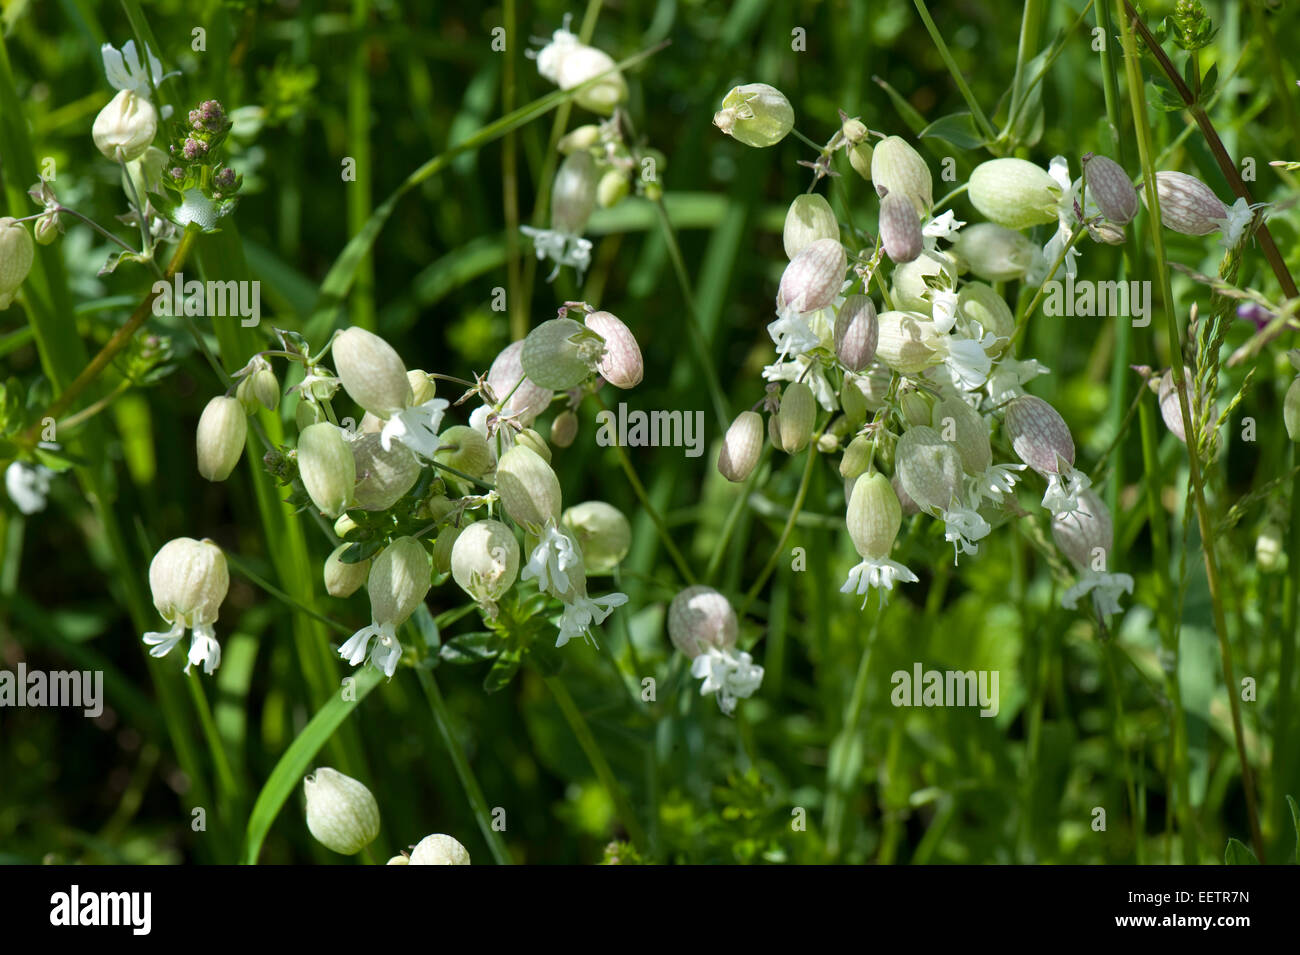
[
  {"x": 922, "y": 388},
  {"x": 343, "y": 816},
  {"x": 403, "y": 489}
]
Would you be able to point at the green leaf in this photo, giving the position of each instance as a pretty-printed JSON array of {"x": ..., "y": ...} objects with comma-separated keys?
[
  {"x": 427, "y": 626},
  {"x": 958, "y": 129},
  {"x": 293, "y": 765},
  {"x": 503, "y": 671},
  {"x": 1295, "y": 821},
  {"x": 1238, "y": 853}
]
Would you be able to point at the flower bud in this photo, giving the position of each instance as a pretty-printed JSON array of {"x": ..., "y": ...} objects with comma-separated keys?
[
  {"x": 573, "y": 195},
  {"x": 1187, "y": 205},
  {"x": 372, "y": 372},
  {"x": 568, "y": 63},
  {"x": 911, "y": 281},
  {"x": 1014, "y": 193},
  {"x": 188, "y": 580},
  {"x": 741, "y": 447},
  {"x": 621, "y": 365},
  {"x": 219, "y": 439},
  {"x": 308, "y": 413},
  {"x": 578, "y": 139},
  {"x": 125, "y": 127},
  {"x": 929, "y": 468},
  {"x": 874, "y": 516},
  {"x": 963, "y": 427},
  {"x": 796, "y": 417},
  {"x": 326, "y": 467},
  {"x": 341, "y": 579},
  {"x": 900, "y": 229},
  {"x": 857, "y": 456},
  {"x": 463, "y": 448},
  {"x": 528, "y": 488},
  {"x": 382, "y": 477},
  {"x": 46, "y": 229},
  {"x": 341, "y": 812},
  {"x": 439, "y": 849},
  {"x": 16, "y": 255},
  {"x": 602, "y": 532},
  {"x": 1085, "y": 535},
  {"x": 915, "y": 408},
  {"x": 564, "y": 428},
  {"x": 534, "y": 442},
  {"x": 814, "y": 277},
  {"x": 808, "y": 219},
  {"x": 978, "y": 305},
  {"x": 1110, "y": 188},
  {"x": 560, "y": 354},
  {"x": 700, "y": 617},
  {"x": 443, "y": 548},
  {"x": 423, "y": 386},
  {"x": 485, "y": 561},
  {"x": 1039, "y": 435},
  {"x": 527, "y": 398},
  {"x": 902, "y": 342},
  {"x": 612, "y": 188},
  {"x": 260, "y": 387},
  {"x": 860, "y": 159},
  {"x": 398, "y": 582},
  {"x": 854, "y": 130},
  {"x": 1107, "y": 232},
  {"x": 994, "y": 253},
  {"x": 863, "y": 393},
  {"x": 898, "y": 169},
  {"x": 774, "y": 431},
  {"x": 755, "y": 114},
  {"x": 1291, "y": 411},
  {"x": 856, "y": 332},
  {"x": 1269, "y": 555}
]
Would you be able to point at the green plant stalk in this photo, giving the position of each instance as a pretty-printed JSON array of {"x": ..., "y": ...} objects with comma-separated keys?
[
  {"x": 1031, "y": 22},
  {"x": 510, "y": 185},
  {"x": 358, "y": 129},
  {"x": 1284, "y": 756},
  {"x": 732, "y": 519},
  {"x": 837, "y": 785},
  {"x": 469, "y": 782},
  {"x": 1204, "y": 518},
  {"x": 983, "y": 121},
  {"x": 582, "y": 732}
]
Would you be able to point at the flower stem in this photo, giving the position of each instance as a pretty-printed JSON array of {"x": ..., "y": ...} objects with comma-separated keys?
[
  {"x": 469, "y": 782},
  {"x": 587, "y": 741}
]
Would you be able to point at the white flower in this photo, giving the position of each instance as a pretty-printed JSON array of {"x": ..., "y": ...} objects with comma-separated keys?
[
  {"x": 1064, "y": 490},
  {"x": 876, "y": 573},
  {"x": 188, "y": 580},
  {"x": 967, "y": 360},
  {"x": 944, "y": 226},
  {"x": 1105, "y": 588},
  {"x": 385, "y": 654},
  {"x": 551, "y": 561},
  {"x": 561, "y": 248},
  {"x": 124, "y": 71},
  {"x": 582, "y": 612},
  {"x": 792, "y": 334},
  {"x": 963, "y": 526},
  {"x": 1007, "y": 378},
  {"x": 1067, "y": 216},
  {"x": 416, "y": 427},
  {"x": 997, "y": 479},
  {"x": 28, "y": 485},
  {"x": 944, "y": 310},
  {"x": 730, "y": 674},
  {"x": 1240, "y": 214}
]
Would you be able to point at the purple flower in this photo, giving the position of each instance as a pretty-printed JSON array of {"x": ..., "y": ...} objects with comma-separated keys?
[{"x": 1254, "y": 312}]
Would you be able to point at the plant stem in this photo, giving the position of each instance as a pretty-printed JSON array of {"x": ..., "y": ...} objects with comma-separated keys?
[
  {"x": 587, "y": 741},
  {"x": 469, "y": 782},
  {"x": 981, "y": 120},
  {"x": 795, "y": 508}
]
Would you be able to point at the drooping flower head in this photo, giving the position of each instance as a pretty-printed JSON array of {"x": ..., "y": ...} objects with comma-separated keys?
[
  {"x": 341, "y": 812},
  {"x": 399, "y": 580},
  {"x": 703, "y": 626},
  {"x": 188, "y": 579}
]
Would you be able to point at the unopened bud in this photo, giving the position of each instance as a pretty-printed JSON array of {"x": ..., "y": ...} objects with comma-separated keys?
[
  {"x": 741, "y": 447},
  {"x": 808, "y": 219},
  {"x": 219, "y": 439},
  {"x": 621, "y": 364},
  {"x": 814, "y": 277},
  {"x": 1187, "y": 205},
  {"x": 860, "y": 159},
  {"x": 16, "y": 255},
  {"x": 612, "y": 188},
  {"x": 125, "y": 127},
  {"x": 856, "y": 332},
  {"x": 699, "y": 618},
  {"x": 1039, "y": 435},
  {"x": 463, "y": 448},
  {"x": 439, "y": 849},
  {"x": 857, "y": 457},
  {"x": 1171, "y": 410},
  {"x": 399, "y": 581},
  {"x": 796, "y": 417},
  {"x": 602, "y": 532},
  {"x": 564, "y": 429},
  {"x": 898, "y": 169},
  {"x": 1014, "y": 193},
  {"x": 529, "y": 489},
  {"x": 874, "y": 516},
  {"x": 533, "y": 441},
  {"x": 900, "y": 228},
  {"x": 341, "y": 579},
  {"x": 341, "y": 812},
  {"x": 327, "y": 468},
  {"x": 372, "y": 372},
  {"x": 1110, "y": 188}
]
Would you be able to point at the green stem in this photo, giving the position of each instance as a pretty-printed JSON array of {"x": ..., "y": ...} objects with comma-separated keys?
[
  {"x": 981, "y": 120},
  {"x": 795, "y": 508},
  {"x": 469, "y": 782},
  {"x": 582, "y": 732}
]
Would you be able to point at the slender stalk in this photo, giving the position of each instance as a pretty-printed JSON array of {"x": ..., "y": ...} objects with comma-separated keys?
[
  {"x": 837, "y": 787},
  {"x": 978, "y": 113},
  {"x": 795, "y": 508},
  {"x": 573, "y": 716},
  {"x": 1204, "y": 518},
  {"x": 469, "y": 782}
]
